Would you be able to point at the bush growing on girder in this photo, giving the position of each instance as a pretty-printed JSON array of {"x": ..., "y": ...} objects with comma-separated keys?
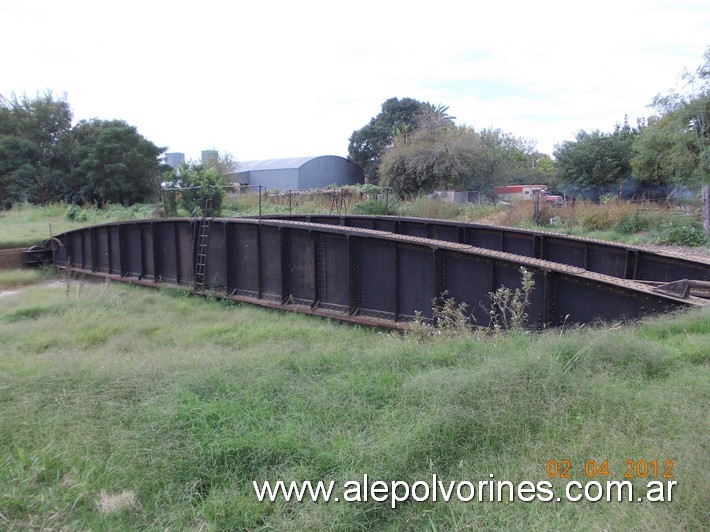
[{"x": 200, "y": 184}]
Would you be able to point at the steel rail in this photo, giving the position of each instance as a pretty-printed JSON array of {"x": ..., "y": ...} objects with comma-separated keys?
[{"x": 360, "y": 275}]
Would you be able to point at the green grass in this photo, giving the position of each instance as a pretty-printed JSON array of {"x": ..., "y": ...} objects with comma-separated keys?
[
  {"x": 179, "y": 403},
  {"x": 27, "y": 225},
  {"x": 11, "y": 279}
]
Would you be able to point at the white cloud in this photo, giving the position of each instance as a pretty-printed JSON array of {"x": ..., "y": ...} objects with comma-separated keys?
[{"x": 280, "y": 78}]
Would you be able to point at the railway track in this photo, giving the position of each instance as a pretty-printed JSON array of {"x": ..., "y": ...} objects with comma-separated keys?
[{"x": 383, "y": 270}]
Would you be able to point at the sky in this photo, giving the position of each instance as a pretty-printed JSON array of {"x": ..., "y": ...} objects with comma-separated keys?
[{"x": 266, "y": 79}]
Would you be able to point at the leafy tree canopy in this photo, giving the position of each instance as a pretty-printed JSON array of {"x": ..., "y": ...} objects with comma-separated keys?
[
  {"x": 223, "y": 163},
  {"x": 36, "y": 149},
  {"x": 426, "y": 160},
  {"x": 677, "y": 144},
  {"x": 43, "y": 158},
  {"x": 596, "y": 159},
  {"x": 415, "y": 147},
  {"x": 456, "y": 157},
  {"x": 368, "y": 144},
  {"x": 117, "y": 164},
  {"x": 658, "y": 158},
  {"x": 684, "y": 125}
]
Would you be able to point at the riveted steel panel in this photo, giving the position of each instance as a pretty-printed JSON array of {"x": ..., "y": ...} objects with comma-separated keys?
[
  {"x": 216, "y": 266},
  {"x": 148, "y": 252},
  {"x": 246, "y": 259},
  {"x": 606, "y": 259},
  {"x": 468, "y": 279},
  {"x": 570, "y": 252},
  {"x": 167, "y": 248},
  {"x": 448, "y": 233},
  {"x": 186, "y": 260},
  {"x": 302, "y": 264},
  {"x": 658, "y": 268},
  {"x": 88, "y": 249},
  {"x": 134, "y": 251},
  {"x": 334, "y": 254},
  {"x": 115, "y": 256},
  {"x": 270, "y": 262},
  {"x": 519, "y": 243},
  {"x": 102, "y": 249},
  {"x": 377, "y": 277},
  {"x": 415, "y": 288}
]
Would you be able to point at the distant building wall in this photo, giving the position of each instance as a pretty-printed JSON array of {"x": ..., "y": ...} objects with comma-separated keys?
[
  {"x": 174, "y": 159},
  {"x": 300, "y": 173},
  {"x": 321, "y": 172},
  {"x": 279, "y": 179},
  {"x": 207, "y": 156}
]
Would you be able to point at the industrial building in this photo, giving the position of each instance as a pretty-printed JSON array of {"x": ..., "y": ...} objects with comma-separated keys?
[
  {"x": 301, "y": 173},
  {"x": 174, "y": 159}
]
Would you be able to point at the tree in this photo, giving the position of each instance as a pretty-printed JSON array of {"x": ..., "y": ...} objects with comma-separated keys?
[
  {"x": 428, "y": 160},
  {"x": 224, "y": 164},
  {"x": 677, "y": 143},
  {"x": 433, "y": 117},
  {"x": 116, "y": 163},
  {"x": 200, "y": 184},
  {"x": 658, "y": 158},
  {"x": 368, "y": 144},
  {"x": 596, "y": 160},
  {"x": 506, "y": 159},
  {"x": 35, "y": 149},
  {"x": 438, "y": 155}
]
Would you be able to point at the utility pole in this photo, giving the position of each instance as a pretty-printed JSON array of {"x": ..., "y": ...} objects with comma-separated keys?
[{"x": 536, "y": 206}]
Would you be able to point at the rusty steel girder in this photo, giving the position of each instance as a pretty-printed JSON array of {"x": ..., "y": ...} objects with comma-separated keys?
[
  {"x": 610, "y": 258},
  {"x": 351, "y": 273}
]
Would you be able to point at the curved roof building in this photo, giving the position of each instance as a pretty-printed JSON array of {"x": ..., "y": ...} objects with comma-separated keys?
[{"x": 300, "y": 173}]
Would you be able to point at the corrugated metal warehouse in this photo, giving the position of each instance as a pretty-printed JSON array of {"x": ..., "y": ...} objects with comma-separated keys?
[{"x": 301, "y": 173}]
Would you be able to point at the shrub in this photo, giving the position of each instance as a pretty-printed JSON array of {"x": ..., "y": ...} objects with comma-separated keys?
[
  {"x": 682, "y": 231},
  {"x": 375, "y": 208},
  {"x": 76, "y": 214},
  {"x": 508, "y": 307},
  {"x": 597, "y": 220},
  {"x": 431, "y": 208},
  {"x": 170, "y": 202},
  {"x": 633, "y": 223},
  {"x": 449, "y": 319},
  {"x": 200, "y": 185}
]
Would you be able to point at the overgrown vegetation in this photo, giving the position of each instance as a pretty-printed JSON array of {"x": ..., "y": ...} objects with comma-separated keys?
[
  {"x": 632, "y": 222},
  {"x": 508, "y": 306},
  {"x": 448, "y": 319},
  {"x": 506, "y": 309},
  {"x": 127, "y": 408}
]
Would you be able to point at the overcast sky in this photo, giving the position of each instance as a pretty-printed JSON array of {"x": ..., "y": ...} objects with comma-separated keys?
[{"x": 266, "y": 79}]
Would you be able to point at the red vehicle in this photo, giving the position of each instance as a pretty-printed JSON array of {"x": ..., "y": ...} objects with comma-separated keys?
[{"x": 518, "y": 193}]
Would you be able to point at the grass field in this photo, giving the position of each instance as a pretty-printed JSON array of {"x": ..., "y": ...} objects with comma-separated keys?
[
  {"x": 27, "y": 225},
  {"x": 129, "y": 408}
]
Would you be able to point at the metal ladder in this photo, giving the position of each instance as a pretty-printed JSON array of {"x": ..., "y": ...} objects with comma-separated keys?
[{"x": 201, "y": 255}]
